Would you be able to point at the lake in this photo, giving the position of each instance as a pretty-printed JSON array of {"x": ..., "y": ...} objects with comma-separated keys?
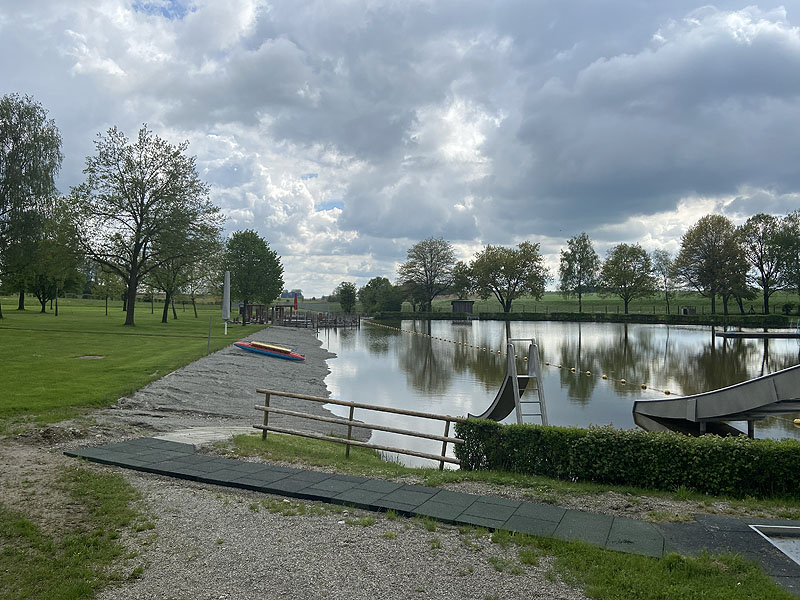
[{"x": 391, "y": 366}]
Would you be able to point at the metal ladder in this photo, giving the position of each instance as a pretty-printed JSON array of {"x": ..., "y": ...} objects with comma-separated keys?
[{"x": 534, "y": 376}]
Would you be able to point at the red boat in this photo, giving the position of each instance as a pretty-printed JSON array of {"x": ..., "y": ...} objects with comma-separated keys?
[{"x": 270, "y": 350}]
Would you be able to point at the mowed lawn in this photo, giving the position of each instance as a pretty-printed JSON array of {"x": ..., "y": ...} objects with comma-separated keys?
[{"x": 42, "y": 374}]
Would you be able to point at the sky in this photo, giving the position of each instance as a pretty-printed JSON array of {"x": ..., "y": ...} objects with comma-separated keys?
[{"x": 343, "y": 132}]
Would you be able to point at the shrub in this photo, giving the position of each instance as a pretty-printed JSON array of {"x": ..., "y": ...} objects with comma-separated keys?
[{"x": 735, "y": 466}]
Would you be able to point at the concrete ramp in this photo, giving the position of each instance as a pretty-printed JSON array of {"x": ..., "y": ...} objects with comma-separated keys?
[{"x": 749, "y": 401}]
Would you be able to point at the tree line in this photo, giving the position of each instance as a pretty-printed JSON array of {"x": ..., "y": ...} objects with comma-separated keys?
[
  {"x": 141, "y": 220},
  {"x": 716, "y": 259}
]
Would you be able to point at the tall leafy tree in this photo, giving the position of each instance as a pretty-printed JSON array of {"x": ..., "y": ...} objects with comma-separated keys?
[
  {"x": 628, "y": 273},
  {"x": 710, "y": 257},
  {"x": 663, "y": 271},
  {"x": 760, "y": 236},
  {"x": 579, "y": 268},
  {"x": 346, "y": 293},
  {"x": 429, "y": 268},
  {"x": 30, "y": 159},
  {"x": 130, "y": 201},
  {"x": 508, "y": 273},
  {"x": 380, "y": 295},
  {"x": 463, "y": 281},
  {"x": 789, "y": 242},
  {"x": 256, "y": 270},
  {"x": 56, "y": 258}
]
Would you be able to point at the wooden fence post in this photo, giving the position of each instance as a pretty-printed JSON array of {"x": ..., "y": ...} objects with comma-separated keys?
[
  {"x": 444, "y": 444},
  {"x": 349, "y": 433},
  {"x": 266, "y": 417}
]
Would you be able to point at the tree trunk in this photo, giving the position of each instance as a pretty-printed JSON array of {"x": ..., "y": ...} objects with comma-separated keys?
[
  {"x": 1, "y": 311},
  {"x": 131, "y": 303},
  {"x": 125, "y": 301},
  {"x": 21, "y": 303},
  {"x": 106, "y": 304},
  {"x": 740, "y": 302},
  {"x": 194, "y": 306},
  {"x": 56, "y": 300},
  {"x": 44, "y": 305},
  {"x": 713, "y": 302},
  {"x": 725, "y": 298},
  {"x": 766, "y": 301},
  {"x": 580, "y": 302},
  {"x": 626, "y": 301},
  {"x": 244, "y": 311},
  {"x": 174, "y": 314},
  {"x": 165, "y": 312}
]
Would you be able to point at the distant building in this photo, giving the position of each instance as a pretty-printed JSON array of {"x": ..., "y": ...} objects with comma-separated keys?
[
  {"x": 290, "y": 294},
  {"x": 462, "y": 306}
]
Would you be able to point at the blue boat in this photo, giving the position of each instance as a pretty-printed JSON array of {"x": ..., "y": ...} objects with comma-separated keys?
[{"x": 270, "y": 350}]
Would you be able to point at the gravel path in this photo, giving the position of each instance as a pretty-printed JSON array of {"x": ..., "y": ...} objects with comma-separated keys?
[{"x": 228, "y": 544}]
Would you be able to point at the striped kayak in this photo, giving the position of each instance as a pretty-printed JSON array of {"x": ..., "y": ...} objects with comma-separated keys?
[{"x": 270, "y": 350}]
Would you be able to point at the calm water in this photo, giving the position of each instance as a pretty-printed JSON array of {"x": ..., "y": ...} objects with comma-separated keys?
[{"x": 376, "y": 365}]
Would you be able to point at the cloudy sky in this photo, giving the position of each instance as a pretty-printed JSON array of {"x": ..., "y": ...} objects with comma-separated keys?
[{"x": 343, "y": 132}]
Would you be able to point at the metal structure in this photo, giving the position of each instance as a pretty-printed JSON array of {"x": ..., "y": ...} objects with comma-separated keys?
[
  {"x": 776, "y": 393},
  {"x": 511, "y": 395}
]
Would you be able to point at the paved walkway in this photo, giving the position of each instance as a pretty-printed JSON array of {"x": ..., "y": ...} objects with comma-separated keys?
[{"x": 712, "y": 532}]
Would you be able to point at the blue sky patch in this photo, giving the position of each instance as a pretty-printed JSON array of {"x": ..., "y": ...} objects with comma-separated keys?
[{"x": 169, "y": 9}]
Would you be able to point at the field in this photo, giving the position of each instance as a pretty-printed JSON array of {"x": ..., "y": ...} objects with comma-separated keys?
[
  {"x": 46, "y": 370},
  {"x": 595, "y": 303}
]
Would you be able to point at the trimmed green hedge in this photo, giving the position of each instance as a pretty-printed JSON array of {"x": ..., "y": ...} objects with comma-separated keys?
[
  {"x": 734, "y": 466},
  {"x": 717, "y": 320}
]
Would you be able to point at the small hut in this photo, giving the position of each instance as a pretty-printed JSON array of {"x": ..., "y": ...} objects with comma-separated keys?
[{"x": 462, "y": 306}]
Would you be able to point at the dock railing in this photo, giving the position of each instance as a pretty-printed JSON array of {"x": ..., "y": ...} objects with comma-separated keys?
[{"x": 351, "y": 423}]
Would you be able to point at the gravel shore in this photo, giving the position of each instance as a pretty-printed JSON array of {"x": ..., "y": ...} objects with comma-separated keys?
[{"x": 219, "y": 390}]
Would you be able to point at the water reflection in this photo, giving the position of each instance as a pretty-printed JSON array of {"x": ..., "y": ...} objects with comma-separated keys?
[{"x": 376, "y": 365}]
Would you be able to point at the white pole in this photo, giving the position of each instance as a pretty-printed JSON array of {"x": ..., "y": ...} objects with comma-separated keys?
[{"x": 226, "y": 300}]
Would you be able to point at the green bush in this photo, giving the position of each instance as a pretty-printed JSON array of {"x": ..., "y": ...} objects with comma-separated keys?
[{"x": 734, "y": 466}]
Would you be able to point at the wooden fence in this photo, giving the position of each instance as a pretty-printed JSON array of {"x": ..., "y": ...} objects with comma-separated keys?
[{"x": 350, "y": 423}]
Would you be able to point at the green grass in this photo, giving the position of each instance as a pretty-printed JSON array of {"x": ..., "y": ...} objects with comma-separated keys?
[
  {"x": 44, "y": 380},
  {"x": 77, "y": 564}
]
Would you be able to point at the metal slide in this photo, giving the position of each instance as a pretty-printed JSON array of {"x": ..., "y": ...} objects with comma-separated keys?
[
  {"x": 749, "y": 401},
  {"x": 509, "y": 398}
]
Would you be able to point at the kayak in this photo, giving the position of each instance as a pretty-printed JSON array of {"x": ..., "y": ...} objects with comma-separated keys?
[{"x": 270, "y": 350}]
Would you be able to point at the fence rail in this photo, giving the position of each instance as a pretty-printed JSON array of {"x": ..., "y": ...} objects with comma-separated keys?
[{"x": 351, "y": 423}]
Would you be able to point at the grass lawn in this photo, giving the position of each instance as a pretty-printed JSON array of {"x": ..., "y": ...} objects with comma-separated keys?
[
  {"x": 595, "y": 303},
  {"x": 44, "y": 378}
]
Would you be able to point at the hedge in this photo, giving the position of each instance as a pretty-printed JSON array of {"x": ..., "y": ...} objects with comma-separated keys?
[
  {"x": 772, "y": 320},
  {"x": 734, "y": 466}
]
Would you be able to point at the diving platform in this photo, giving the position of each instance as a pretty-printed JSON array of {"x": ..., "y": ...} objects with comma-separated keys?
[{"x": 766, "y": 396}]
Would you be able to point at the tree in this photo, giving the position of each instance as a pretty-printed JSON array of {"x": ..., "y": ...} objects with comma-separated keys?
[
  {"x": 256, "y": 270},
  {"x": 579, "y": 268},
  {"x": 627, "y": 273},
  {"x": 346, "y": 292},
  {"x": 133, "y": 194},
  {"x": 379, "y": 295},
  {"x": 30, "y": 159},
  {"x": 429, "y": 268},
  {"x": 710, "y": 257},
  {"x": 789, "y": 243},
  {"x": 55, "y": 259},
  {"x": 509, "y": 273},
  {"x": 186, "y": 247},
  {"x": 463, "y": 282},
  {"x": 663, "y": 271},
  {"x": 760, "y": 237}
]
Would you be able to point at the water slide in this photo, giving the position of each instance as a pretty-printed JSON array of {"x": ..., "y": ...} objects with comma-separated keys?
[
  {"x": 772, "y": 394},
  {"x": 508, "y": 399}
]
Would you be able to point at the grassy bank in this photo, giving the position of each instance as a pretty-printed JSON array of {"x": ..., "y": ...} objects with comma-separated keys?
[
  {"x": 47, "y": 375},
  {"x": 603, "y": 574},
  {"x": 37, "y": 562}
]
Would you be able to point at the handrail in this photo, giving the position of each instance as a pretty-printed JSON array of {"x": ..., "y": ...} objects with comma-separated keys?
[
  {"x": 397, "y": 411},
  {"x": 350, "y": 423}
]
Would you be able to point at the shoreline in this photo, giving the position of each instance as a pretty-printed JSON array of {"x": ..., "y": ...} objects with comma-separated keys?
[{"x": 219, "y": 390}]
